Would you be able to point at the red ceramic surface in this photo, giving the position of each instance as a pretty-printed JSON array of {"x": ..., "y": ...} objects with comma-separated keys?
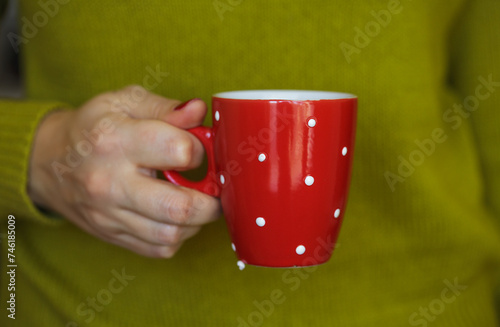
[{"x": 282, "y": 168}]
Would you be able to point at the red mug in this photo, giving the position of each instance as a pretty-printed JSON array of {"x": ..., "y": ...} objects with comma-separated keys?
[{"x": 280, "y": 161}]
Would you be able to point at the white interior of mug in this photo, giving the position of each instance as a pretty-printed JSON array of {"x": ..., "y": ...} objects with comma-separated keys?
[{"x": 294, "y": 95}]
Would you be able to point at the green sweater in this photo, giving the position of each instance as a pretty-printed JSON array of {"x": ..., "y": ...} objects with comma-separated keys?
[{"x": 420, "y": 243}]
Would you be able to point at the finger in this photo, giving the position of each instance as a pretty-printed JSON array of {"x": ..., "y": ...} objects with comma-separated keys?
[
  {"x": 122, "y": 221},
  {"x": 139, "y": 103},
  {"x": 107, "y": 229},
  {"x": 141, "y": 247},
  {"x": 151, "y": 231},
  {"x": 190, "y": 115},
  {"x": 167, "y": 203},
  {"x": 154, "y": 144}
]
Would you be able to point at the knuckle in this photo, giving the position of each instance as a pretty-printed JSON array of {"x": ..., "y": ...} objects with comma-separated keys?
[
  {"x": 133, "y": 88},
  {"x": 108, "y": 143},
  {"x": 169, "y": 234},
  {"x": 160, "y": 108},
  {"x": 97, "y": 185},
  {"x": 208, "y": 205},
  {"x": 182, "y": 148},
  {"x": 131, "y": 95},
  {"x": 103, "y": 223},
  {"x": 179, "y": 208}
]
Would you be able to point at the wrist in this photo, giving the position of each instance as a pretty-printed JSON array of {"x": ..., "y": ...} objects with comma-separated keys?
[{"x": 47, "y": 151}]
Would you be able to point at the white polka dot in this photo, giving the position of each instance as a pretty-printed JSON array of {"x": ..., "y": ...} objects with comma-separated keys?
[
  {"x": 300, "y": 249},
  {"x": 337, "y": 213},
  {"x": 241, "y": 265},
  {"x": 262, "y": 157},
  {"x": 222, "y": 179},
  {"x": 233, "y": 246},
  {"x": 309, "y": 180},
  {"x": 344, "y": 151},
  {"x": 260, "y": 222},
  {"x": 311, "y": 122},
  {"x": 217, "y": 115}
]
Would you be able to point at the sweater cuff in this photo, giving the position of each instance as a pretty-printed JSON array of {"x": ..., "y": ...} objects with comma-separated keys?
[{"x": 18, "y": 125}]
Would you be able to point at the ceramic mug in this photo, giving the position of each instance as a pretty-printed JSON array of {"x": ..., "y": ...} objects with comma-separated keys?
[{"x": 280, "y": 161}]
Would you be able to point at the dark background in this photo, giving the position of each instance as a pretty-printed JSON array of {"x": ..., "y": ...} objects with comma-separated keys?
[{"x": 10, "y": 82}]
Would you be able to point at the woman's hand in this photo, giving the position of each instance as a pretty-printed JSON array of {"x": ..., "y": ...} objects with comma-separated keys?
[{"x": 97, "y": 167}]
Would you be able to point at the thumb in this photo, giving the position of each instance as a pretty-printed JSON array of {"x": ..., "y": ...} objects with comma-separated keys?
[
  {"x": 139, "y": 103},
  {"x": 188, "y": 114}
]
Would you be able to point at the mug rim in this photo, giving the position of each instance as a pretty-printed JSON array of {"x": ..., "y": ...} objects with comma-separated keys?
[{"x": 283, "y": 95}]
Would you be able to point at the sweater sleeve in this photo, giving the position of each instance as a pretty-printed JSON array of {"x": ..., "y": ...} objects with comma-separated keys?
[
  {"x": 475, "y": 72},
  {"x": 18, "y": 124}
]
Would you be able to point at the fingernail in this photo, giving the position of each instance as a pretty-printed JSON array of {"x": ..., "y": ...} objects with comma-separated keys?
[{"x": 182, "y": 105}]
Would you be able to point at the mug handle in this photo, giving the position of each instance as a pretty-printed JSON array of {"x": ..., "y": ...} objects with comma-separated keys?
[{"x": 209, "y": 183}]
